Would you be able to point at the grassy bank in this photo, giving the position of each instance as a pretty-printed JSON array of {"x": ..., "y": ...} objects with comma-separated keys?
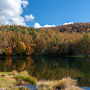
[
  {"x": 63, "y": 84},
  {"x": 10, "y": 80}
]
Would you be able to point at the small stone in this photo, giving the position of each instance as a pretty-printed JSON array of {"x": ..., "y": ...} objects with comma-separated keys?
[{"x": 3, "y": 75}]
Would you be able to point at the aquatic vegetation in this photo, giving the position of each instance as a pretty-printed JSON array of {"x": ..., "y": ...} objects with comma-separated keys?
[
  {"x": 53, "y": 68},
  {"x": 63, "y": 84},
  {"x": 21, "y": 88},
  {"x": 9, "y": 80},
  {"x": 24, "y": 78}
]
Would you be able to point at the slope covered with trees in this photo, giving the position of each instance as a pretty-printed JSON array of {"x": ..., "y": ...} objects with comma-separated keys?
[
  {"x": 75, "y": 27},
  {"x": 20, "y": 40}
]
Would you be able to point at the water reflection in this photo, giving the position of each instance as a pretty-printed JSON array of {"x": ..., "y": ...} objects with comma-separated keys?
[{"x": 50, "y": 68}]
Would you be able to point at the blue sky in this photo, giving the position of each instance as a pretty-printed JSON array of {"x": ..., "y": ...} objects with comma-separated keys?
[
  {"x": 58, "y": 12},
  {"x": 43, "y": 13}
]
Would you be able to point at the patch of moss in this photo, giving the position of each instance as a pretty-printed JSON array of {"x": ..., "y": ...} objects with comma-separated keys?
[
  {"x": 9, "y": 80},
  {"x": 25, "y": 79}
]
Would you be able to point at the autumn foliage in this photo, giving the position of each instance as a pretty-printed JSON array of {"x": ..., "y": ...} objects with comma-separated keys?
[
  {"x": 20, "y": 47},
  {"x": 62, "y": 40},
  {"x": 29, "y": 50},
  {"x": 8, "y": 51}
]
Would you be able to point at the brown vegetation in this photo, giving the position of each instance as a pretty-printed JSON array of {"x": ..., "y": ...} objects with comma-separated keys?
[
  {"x": 19, "y": 40},
  {"x": 75, "y": 27},
  {"x": 9, "y": 80},
  {"x": 63, "y": 84}
]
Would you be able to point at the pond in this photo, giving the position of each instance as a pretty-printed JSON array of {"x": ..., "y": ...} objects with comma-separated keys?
[{"x": 50, "y": 68}]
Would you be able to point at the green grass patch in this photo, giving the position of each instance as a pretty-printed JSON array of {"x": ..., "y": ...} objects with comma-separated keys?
[
  {"x": 27, "y": 79},
  {"x": 9, "y": 80}
]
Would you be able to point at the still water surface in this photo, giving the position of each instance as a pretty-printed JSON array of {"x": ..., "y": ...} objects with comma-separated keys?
[{"x": 50, "y": 68}]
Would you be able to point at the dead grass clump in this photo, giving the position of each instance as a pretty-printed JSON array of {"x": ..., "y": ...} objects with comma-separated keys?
[
  {"x": 23, "y": 78},
  {"x": 14, "y": 72},
  {"x": 63, "y": 84},
  {"x": 66, "y": 82}
]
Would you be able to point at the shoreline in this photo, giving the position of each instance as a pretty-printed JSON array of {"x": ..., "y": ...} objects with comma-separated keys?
[{"x": 23, "y": 79}]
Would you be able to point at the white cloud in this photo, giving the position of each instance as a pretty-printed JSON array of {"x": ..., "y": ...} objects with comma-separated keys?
[
  {"x": 68, "y": 23},
  {"x": 48, "y": 25},
  {"x": 37, "y": 25},
  {"x": 29, "y": 17},
  {"x": 24, "y": 3},
  {"x": 11, "y": 11}
]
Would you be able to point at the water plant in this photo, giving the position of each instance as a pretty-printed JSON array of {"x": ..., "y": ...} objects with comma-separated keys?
[{"x": 63, "y": 84}]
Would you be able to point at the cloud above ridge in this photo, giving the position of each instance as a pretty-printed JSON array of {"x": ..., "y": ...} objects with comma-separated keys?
[
  {"x": 68, "y": 23},
  {"x": 37, "y": 25},
  {"x": 11, "y": 12}
]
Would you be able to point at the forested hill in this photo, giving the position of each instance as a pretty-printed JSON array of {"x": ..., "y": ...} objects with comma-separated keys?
[
  {"x": 76, "y": 27},
  {"x": 20, "y": 40}
]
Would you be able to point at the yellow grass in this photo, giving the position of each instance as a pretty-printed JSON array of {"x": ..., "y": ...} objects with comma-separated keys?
[
  {"x": 8, "y": 80},
  {"x": 64, "y": 84}
]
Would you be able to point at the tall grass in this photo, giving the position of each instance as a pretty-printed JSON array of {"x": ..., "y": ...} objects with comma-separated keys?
[
  {"x": 63, "y": 84},
  {"x": 24, "y": 78}
]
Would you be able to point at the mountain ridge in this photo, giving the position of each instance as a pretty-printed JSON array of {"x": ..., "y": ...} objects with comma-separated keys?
[{"x": 75, "y": 27}]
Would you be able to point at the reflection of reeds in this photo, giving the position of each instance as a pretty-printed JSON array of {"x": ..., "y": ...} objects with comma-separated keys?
[
  {"x": 8, "y": 61},
  {"x": 29, "y": 61},
  {"x": 64, "y": 84}
]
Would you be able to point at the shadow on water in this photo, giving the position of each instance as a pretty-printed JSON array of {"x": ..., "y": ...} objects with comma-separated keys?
[{"x": 50, "y": 68}]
